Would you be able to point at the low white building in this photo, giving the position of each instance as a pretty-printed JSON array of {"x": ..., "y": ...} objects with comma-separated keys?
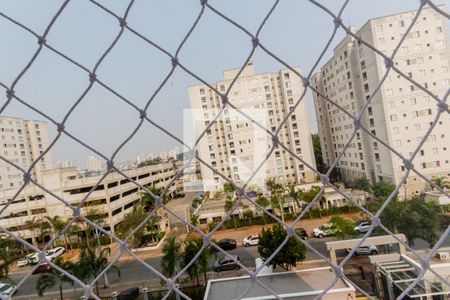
[
  {"x": 298, "y": 285},
  {"x": 437, "y": 197}
]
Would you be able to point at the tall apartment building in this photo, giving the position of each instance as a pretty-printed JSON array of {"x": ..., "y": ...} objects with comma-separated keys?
[
  {"x": 22, "y": 141},
  {"x": 235, "y": 146},
  {"x": 400, "y": 113}
]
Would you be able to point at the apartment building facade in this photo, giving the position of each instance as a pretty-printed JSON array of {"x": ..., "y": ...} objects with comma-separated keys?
[
  {"x": 114, "y": 197},
  {"x": 22, "y": 142},
  {"x": 236, "y": 147},
  {"x": 400, "y": 113}
]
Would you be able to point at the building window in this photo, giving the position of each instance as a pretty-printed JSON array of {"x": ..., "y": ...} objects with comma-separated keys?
[{"x": 393, "y": 117}]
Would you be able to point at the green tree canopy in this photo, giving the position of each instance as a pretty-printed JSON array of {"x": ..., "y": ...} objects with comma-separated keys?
[
  {"x": 383, "y": 189},
  {"x": 342, "y": 227},
  {"x": 293, "y": 251}
]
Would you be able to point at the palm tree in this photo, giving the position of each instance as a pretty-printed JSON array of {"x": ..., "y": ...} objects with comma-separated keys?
[
  {"x": 57, "y": 225},
  {"x": 194, "y": 220},
  {"x": 441, "y": 182},
  {"x": 201, "y": 264},
  {"x": 171, "y": 250},
  {"x": 92, "y": 262},
  {"x": 363, "y": 184},
  {"x": 229, "y": 203},
  {"x": 308, "y": 197},
  {"x": 132, "y": 220},
  {"x": 10, "y": 251},
  {"x": 276, "y": 196},
  {"x": 263, "y": 202},
  {"x": 148, "y": 202},
  {"x": 49, "y": 280},
  {"x": 44, "y": 230},
  {"x": 32, "y": 226},
  {"x": 296, "y": 195}
]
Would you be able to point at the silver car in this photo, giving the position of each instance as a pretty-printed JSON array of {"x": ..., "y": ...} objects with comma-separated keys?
[
  {"x": 363, "y": 227},
  {"x": 227, "y": 263},
  {"x": 364, "y": 250}
]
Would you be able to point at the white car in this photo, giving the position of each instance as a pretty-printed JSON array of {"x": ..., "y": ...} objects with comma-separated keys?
[
  {"x": 251, "y": 240},
  {"x": 363, "y": 227},
  {"x": 25, "y": 260},
  {"x": 364, "y": 250},
  {"x": 33, "y": 258},
  {"x": 324, "y": 230},
  {"x": 6, "y": 289},
  {"x": 55, "y": 252}
]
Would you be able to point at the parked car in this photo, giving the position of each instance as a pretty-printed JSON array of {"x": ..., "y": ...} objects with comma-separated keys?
[
  {"x": 227, "y": 263},
  {"x": 363, "y": 227},
  {"x": 364, "y": 250},
  {"x": 129, "y": 294},
  {"x": 227, "y": 244},
  {"x": 55, "y": 252},
  {"x": 33, "y": 258},
  {"x": 251, "y": 240},
  {"x": 43, "y": 268},
  {"x": 25, "y": 260},
  {"x": 301, "y": 232},
  {"x": 6, "y": 289},
  {"x": 323, "y": 230}
]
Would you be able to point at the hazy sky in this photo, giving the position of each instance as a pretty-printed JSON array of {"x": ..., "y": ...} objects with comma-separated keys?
[{"x": 296, "y": 32}]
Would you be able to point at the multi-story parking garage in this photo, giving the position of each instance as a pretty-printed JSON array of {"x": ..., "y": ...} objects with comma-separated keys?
[{"x": 114, "y": 197}]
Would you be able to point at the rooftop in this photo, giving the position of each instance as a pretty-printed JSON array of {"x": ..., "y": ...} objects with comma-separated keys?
[{"x": 302, "y": 284}]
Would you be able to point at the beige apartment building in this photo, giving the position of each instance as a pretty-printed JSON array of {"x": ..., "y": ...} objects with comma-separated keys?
[
  {"x": 22, "y": 141},
  {"x": 236, "y": 147},
  {"x": 114, "y": 197},
  {"x": 400, "y": 113}
]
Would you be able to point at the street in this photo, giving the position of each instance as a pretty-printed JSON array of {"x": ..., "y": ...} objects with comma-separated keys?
[{"x": 134, "y": 273}]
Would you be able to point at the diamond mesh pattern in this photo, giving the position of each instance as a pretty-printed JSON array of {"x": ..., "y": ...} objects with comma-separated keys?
[{"x": 141, "y": 113}]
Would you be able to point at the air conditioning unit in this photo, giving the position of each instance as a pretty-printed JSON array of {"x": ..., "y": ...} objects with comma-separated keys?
[{"x": 443, "y": 255}]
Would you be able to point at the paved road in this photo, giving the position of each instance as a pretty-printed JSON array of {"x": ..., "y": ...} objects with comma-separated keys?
[{"x": 134, "y": 271}]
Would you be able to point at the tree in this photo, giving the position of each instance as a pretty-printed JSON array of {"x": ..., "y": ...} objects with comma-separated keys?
[
  {"x": 309, "y": 195},
  {"x": 49, "y": 280},
  {"x": 342, "y": 227},
  {"x": 228, "y": 187},
  {"x": 420, "y": 219},
  {"x": 362, "y": 183},
  {"x": 32, "y": 225},
  {"x": 201, "y": 264},
  {"x": 147, "y": 200},
  {"x": 10, "y": 251},
  {"x": 383, "y": 189},
  {"x": 57, "y": 225},
  {"x": 441, "y": 182},
  {"x": 389, "y": 216},
  {"x": 293, "y": 251},
  {"x": 92, "y": 262},
  {"x": 263, "y": 202},
  {"x": 194, "y": 220},
  {"x": 132, "y": 220},
  {"x": 171, "y": 250},
  {"x": 318, "y": 154},
  {"x": 229, "y": 203},
  {"x": 276, "y": 196},
  {"x": 191, "y": 248}
]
